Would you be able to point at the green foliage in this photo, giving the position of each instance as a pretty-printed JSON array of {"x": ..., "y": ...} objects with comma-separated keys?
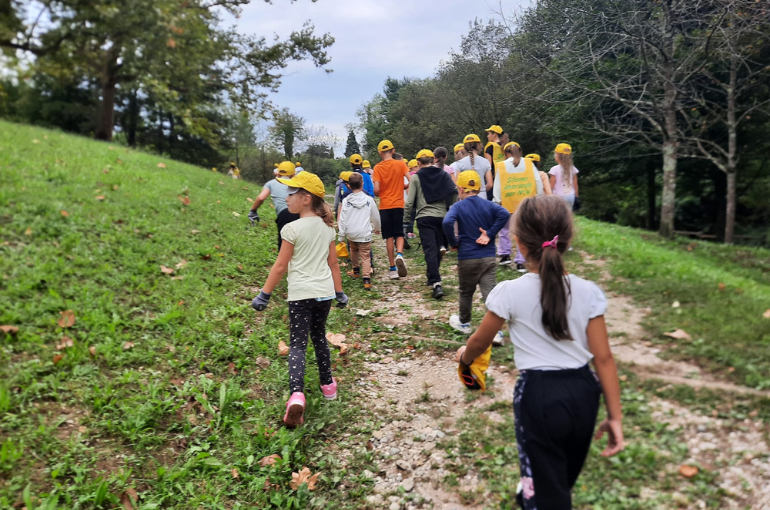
[{"x": 351, "y": 146}]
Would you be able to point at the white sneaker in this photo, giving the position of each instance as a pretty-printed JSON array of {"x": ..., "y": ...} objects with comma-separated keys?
[
  {"x": 401, "y": 266},
  {"x": 454, "y": 322},
  {"x": 442, "y": 250},
  {"x": 498, "y": 340},
  {"x": 393, "y": 274}
]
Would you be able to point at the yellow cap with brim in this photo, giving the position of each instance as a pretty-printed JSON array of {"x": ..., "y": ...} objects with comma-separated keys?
[
  {"x": 366, "y": 164},
  {"x": 471, "y": 139},
  {"x": 459, "y": 146},
  {"x": 412, "y": 163},
  {"x": 495, "y": 129},
  {"x": 425, "y": 153},
  {"x": 297, "y": 164},
  {"x": 356, "y": 159},
  {"x": 469, "y": 180},
  {"x": 563, "y": 148},
  {"x": 346, "y": 175},
  {"x": 385, "y": 145},
  {"x": 307, "y": 181},
  {"x": 511, "y": 144},
  {"x": 286, "y": 168},
  {"x": 533, "y": 157}
]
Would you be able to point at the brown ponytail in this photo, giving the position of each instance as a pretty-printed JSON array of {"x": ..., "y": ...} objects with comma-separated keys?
[
  {"x": 539, "y": 220},
  {"x": 320, "y": 208}
]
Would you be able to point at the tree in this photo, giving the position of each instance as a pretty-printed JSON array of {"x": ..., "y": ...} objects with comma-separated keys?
[
  {"x": 287, "y": 129},
  {"x": 351, "y": 147},
  {"x": 118, "y": 44}
]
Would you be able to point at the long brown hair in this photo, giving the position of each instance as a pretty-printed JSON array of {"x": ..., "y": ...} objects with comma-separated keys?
[
  {"x": 320, "y": 208},
  {"x": 540, "y": 219},
  {"x": 469, "y": 148},
  {"x": 441, "y": 154},
  {"x": 565, "y": 162}
]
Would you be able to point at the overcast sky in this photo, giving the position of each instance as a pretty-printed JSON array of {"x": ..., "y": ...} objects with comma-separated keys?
[{"x": 374, "y": 39}]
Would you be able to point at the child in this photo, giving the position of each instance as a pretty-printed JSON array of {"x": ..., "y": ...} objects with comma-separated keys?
[
  {"x": 493, "y": 150},
  {"x": 341, "y": 190},
  {"x": 277, "y": 192},
  {"x": 556, "y": 322},
  {"x": 314, "y": 280},
  {"x": 357, "y": 216},
  {"x": 564, "y": 181},
  {"x": 356, "y": 165},
  {"x": 431, "y": 192},
  {"x": 478, "y": 223},
  {"x": 441, "y": 155},
  {"x": 479, "y": 164},
  {"x": 391, "y": 178}
]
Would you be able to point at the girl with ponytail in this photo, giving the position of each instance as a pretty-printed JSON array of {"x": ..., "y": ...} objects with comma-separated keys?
[
  {"x": 556, "y": 322},
  {"x": 473, "y": 161}
]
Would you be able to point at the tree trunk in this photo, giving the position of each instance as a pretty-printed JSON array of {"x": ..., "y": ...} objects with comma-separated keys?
[
  {"x": 720, "y": 197},
  {"x": 667, "y": 209},
  {"x": 133, "y": 118},
  {"x": 652, "y": 193},
  {"x": 107, "y": 112},
  {"x": 171, "y": 137},
  {"x": 732, "y": 149},
  {"x": 730, "y": 209}
]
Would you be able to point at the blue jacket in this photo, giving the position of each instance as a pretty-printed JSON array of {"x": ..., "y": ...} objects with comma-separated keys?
[
  {"x": 368, "y": 184},
  {"x": 471, "y": 214}
]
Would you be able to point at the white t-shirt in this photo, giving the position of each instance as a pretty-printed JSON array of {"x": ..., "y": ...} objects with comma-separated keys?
[
  {"x": 309, "y": 274},
  {"x": 480, "y": 165},
  {"x": 518, "y": 302},
  {"x": 562, "y": 187}
]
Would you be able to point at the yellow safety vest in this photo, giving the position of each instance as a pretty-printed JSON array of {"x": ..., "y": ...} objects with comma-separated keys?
[
  {"x": 516, "y": 186},
  {"x": 498, "y": 156}
]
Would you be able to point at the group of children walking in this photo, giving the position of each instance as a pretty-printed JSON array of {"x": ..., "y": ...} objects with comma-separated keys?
[{"x": 555, "y": 320}]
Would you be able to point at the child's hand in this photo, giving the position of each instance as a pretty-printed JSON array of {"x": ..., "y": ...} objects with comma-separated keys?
[
  {"x": 614, "y": 430},
  {"x": 483, "y": 238},
  {"x": 342, "y": 299},
  {"x": 459, "y": 355},
  {"x": 260, "y": 302}
]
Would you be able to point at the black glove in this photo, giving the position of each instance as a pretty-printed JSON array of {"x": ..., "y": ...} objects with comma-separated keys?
[
  {"x": 342, "y": 299},
  {"x": 576, "y": 205},
  {"x": 253, "y": 216},
  {"x": 260, "y": 302}
]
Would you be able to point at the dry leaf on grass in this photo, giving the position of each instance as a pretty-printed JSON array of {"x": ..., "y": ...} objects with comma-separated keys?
[
  {"x": 57, "y": 358},
  {"x": 128, "y": 499},
  {"x": 161, "y": 165},
  {"x": 28, "y": 232},
  {"x": 184, "y": 200},
  {"x": 65, "y": 213},
  {"x": 182, "y": 263},
  {"x": 236, "y": 214},
  {"x": 766, "y": 315},
  {"x": 721, "y": 287},
  {"x": 177, "y": 277},
  {"x": 235, "y": 473},
  {"x": 688, "y": 471},
  {"x": 193, "y": 232},
  {"x": 304, "y": 476},
  {"x": 231, "y": 368},
  {"x": 65, "y": 342},
  {"x": 128, "y": 345},
  {"x": 66, "y": 319},
  {"x": 269, "y": 460},
  {"x": 344, "y": 349},
  {"x": 271, "y": 486},
  {"x": 166, "y": 270},
  {"x": 12, "y": 330},
  {"x": 114, "y": 187},
  {"x": 336, "y": 339},
  {"x": 679, "y": 334},
  {"x": 92, "y": 350},
  {"x": 283, "y": 349},
  {"x": 263, "y": 362},
  {"x": 249, "y": 200},
  {"x": 99, "y": 197}
]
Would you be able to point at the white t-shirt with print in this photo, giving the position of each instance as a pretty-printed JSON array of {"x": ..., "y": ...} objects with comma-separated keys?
[
  {"x": 480, "y": 165},
  {"x": 562, "y": 187},
  {"x": 518, "y": 302},
  {"x": 309, "y": 274}
]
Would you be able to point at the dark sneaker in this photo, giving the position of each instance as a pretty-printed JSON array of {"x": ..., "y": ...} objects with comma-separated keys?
[
  {"x": 438, "y": 292},
  {"x": 505, "y": 260},
  {"x": 407, "y": 246},
  {"x": 520, "y": 268}
]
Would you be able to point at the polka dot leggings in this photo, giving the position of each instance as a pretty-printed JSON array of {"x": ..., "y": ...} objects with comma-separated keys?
[{"x": 307, "y": 317}]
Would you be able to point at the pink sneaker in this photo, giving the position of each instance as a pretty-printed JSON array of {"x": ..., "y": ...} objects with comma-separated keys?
[
  {"x": 330, "y": 390},
  {"x": 295, "y": 410}
]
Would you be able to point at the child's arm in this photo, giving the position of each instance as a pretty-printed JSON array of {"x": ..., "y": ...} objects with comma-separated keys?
[
  {"x": 342, "y": 220},
  {"x": 489, "y": 181},
  {"x": 375, "y": 217},
  {"x": 480, "y": 340},
  {"x": 604, "y": 363},
  {"x": 279, "y": 268},
  {"x": 448, "y": 225},
  {"x": 546, "y": 184},
  {"x": 335, "y": 267},
  {"x": 575, "y": 184}
]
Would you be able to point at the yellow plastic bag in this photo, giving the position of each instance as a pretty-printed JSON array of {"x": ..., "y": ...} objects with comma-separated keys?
[
  {"x": 342, "y": 251},
  {"x": 475, "y": 378}
]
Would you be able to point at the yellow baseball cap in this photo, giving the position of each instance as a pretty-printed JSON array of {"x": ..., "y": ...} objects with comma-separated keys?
[
  {"x": 385, "y": 145},
  {"x": 533, "y": 157},
  {"x": 346, "y": 175},
  {"x": 286, "y": 168},
  {"x": 563, "y": 148},
  {"x": 471, "y": 139},
  {"x": 366, "y": 164},
  {"x": 469, "y": 180},
  {"x": 307, "y": 181},
  {"x": 511, "y": 144},
  {"x": 356, "y": 159},
  {"x": 412, "y": 163},
  {"x": 275, "y": 165},
  {"x": 425, "y": 153},
  {"x": 495, "y": 129},
  {"x": 459, "y": 146},
  {"x": 297, "y": 164}
]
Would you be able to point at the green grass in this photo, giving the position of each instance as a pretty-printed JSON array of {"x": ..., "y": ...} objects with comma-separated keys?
[
  {"x": 723, "y": 292},
  {"x": 172, "y": 416}
]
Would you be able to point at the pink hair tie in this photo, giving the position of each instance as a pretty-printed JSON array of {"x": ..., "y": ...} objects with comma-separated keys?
[{"x": 551, "y": 244}]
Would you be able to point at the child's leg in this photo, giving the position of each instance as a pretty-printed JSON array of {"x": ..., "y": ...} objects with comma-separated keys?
[
  {"x": 300, "y": 315},
  {"x": 504, "y": 243},
  {"x": 487, "y": 276},
  {"x": 467, "y": 274},
  {"x": 354, "y": 255},
  {"x": 366, "y": 262},
  {"x": 317, "y": 325},
  {"x": 429, "y": 235}
]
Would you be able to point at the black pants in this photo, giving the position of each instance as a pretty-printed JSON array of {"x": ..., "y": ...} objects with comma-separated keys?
[
  {"x": 308, "y": 317},
  {"x": 555, "y": 416},
  {"x": 281, "y": 220},
  {"x": 432, "y": 237}
]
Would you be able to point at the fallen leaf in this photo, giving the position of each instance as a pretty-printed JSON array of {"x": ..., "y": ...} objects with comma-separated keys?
[
  {"x": 283, "y": 349},
  {"x": 369, "y": 446},
  {"x": 721, "y": 287},
  {"x": 105, "y": 171},
  {"x": 119, "y": 161},
  {"x": 57, "y": 358},
  {"x": 688, "y": 471},
  {"x": 65, "y": 213},
  {"x": 766, "y": 315},
  {"x": 216, "y": 246},
  {"x": 82, "y": 429},
  {"x": 205, "y": 257},
  {"x": 235, "y": 474},
  {"x": 304, "y": 476},
  {"x": 343, "y": 349},
  {"x": 336, "y": 339},
  {"x": 263, "y": 362},
  {"x": 65, "y": 342},
  {"x": 623, "y": 378},
  {"x": 269, "y": 460},
  {"x": 111, "y": 148},
  {"x": 182, "y": 263},
  {"x": 177, "y": 277},
  {"x": 171, "y": 43},
  {"x": 92, "y": 350},
  {"x": 679, "y": 334},
  {"x": 170, "y": 348},
  {"x": 249, "y": 200},
  {"x": 166, "y": 270},
  {"x": 161, "y": 165},
  {"x": 236, "y": 214},
  {"x": 28, "y": 232},
  {"x": 363, "y": 313},
  {"x": 675, "y": 304},
  {"x": 184, "y": 200},
  {"x": 193, "y": 232},
  {"x": 128, "y": 498},
  {"x": 240, "y": 267},
  {"x": 114, "y": 187},
  {"x": 231, "y": 368},
  {"x": 99, "y": 197},
  {"x": 220, "y": 182},
  {"x": 35, "y": 141},
  {"x": 128, "y": 345},
  {"x": 731, "y": 369},
  {"x": 12, "y": 330},
  {"x": 66, "y": 319},
  {"x": 271, "y": 486}
]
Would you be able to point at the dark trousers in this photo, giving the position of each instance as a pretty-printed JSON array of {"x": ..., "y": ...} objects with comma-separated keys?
[
  {"x": 307, "y": 317},
  {"x": 432, "y": 237},
  {"x": 555, "y": 416},
  {"x": 471, "y": 273},
  {"x": 409, "y": 224},
  {"x": 281, "y": 220}
]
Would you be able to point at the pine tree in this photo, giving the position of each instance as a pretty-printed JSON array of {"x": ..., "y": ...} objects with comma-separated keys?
[{"x": 352, "y": 145}]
